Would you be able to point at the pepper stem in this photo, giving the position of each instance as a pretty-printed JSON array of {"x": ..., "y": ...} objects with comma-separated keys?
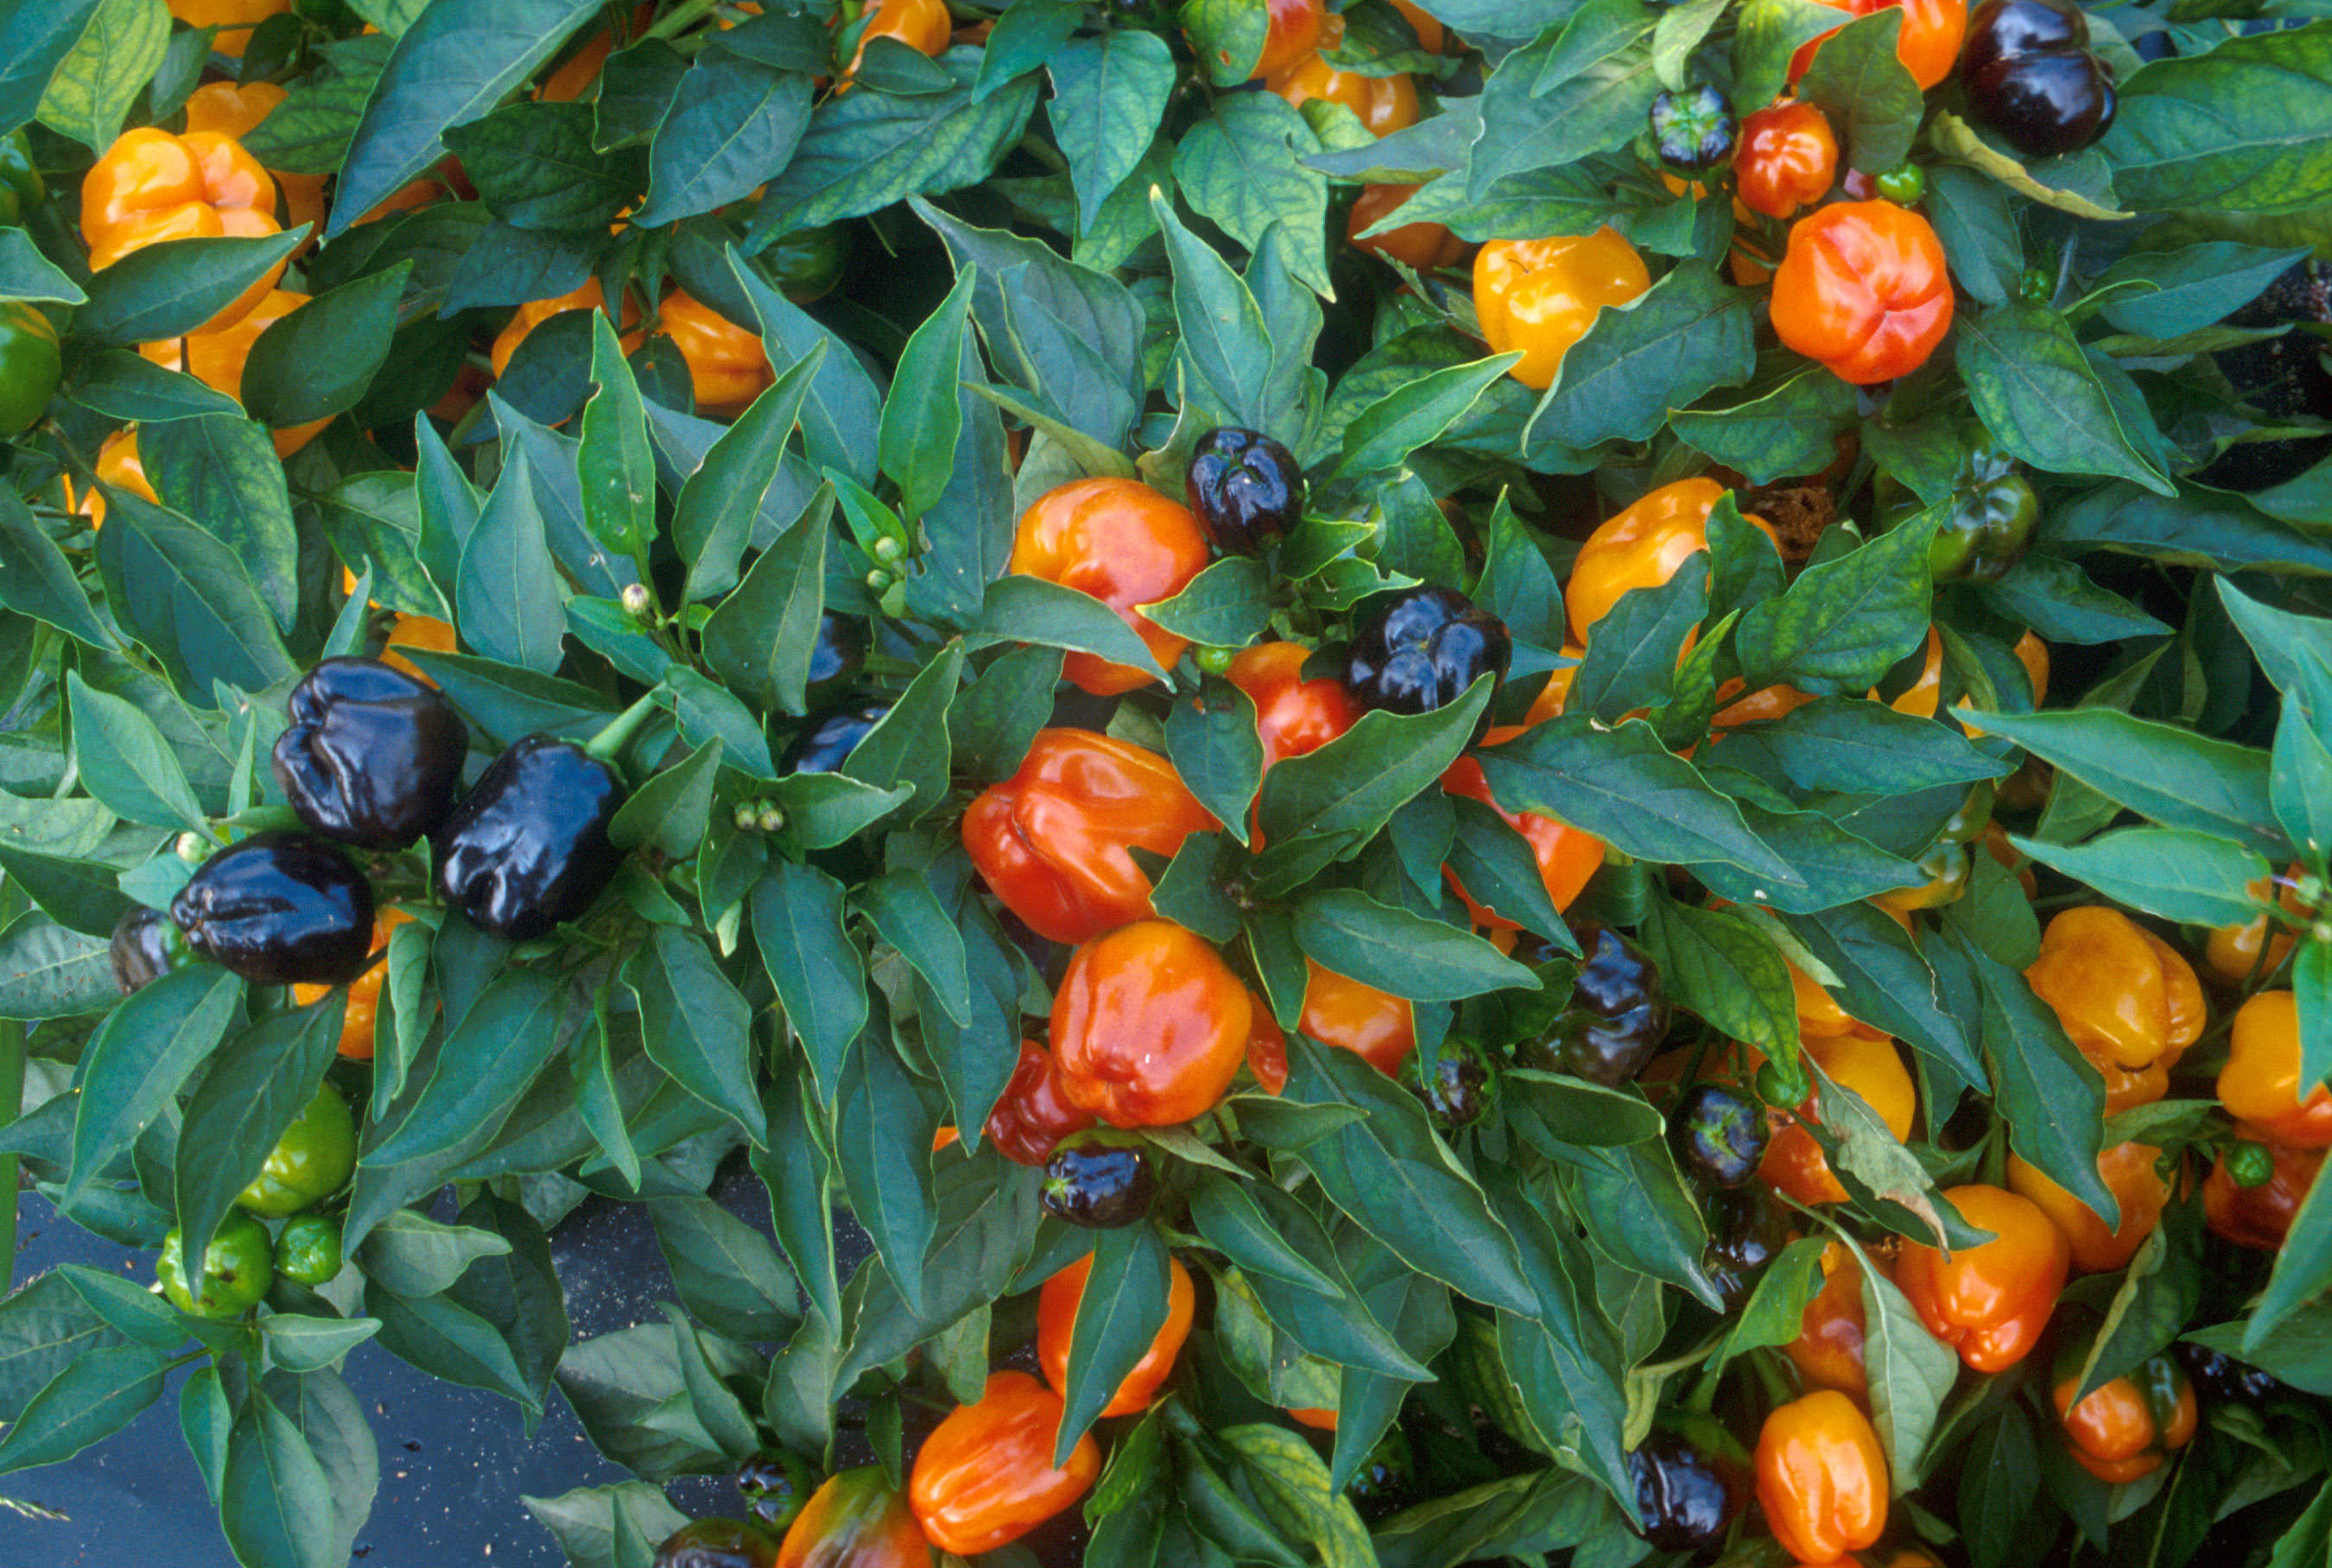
[{"x": 619, "y": 730}]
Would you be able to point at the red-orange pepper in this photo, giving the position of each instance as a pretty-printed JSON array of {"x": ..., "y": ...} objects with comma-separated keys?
[
  {"x": 2124, "y": 1428},
  {"x": 1989, "y": 1302},
  {"x": 1641, "y": 546},
  {"x": 1928, "y": 45},
  {"x": 1125, "y": 545},
  {"x": 1033, "y": 1115},
  {"x": 1567, "y": 857},
  {"x": 1057, "y": 1320},
  {"x": 1863, "y": 290},
  {"x": 1293, "y": 716},
  {"x": 1425, "y": 246},
  {"x": 1867, "y": 1064},
  {"x": 1149, "y": 1026},
  {"x": 2261, "y": 1082},
  {"x": 1385, "y": 104},
  {"x": 2260, "y": 1217},
  {"x": 364, "y": 991},
  {"x": 985, "y": 1476},
  {"x": 1539, "y": 297},
  {"x": 1787, "y": 158},
  {"x": 1376, "y": 1026},
  {"x": 1827, "y": 1350},
  {"x": 856, "y": 1520},
  {"x": 2128, "y": 1173},
  {"x": 1052, "y": 840},
  {"x": 2124, "y": 996},
  {"x": 1821, "y": 1477}
]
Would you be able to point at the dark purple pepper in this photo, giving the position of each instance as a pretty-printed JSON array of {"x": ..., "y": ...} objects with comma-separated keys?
[
  {"x": 1419, "y": 649},
  {"x": 1245, "y": 488},
  {"x": 279, "y": 908},
  {"x": 2031, "y": 77},
  {"x": 527, "y": 848},
  {"x": 372, "y": 757}
]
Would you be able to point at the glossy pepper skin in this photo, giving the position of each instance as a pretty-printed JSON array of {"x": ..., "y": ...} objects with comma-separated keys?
[
  {"x": 308, "y": 1252},
  {"x": 371, "y": 757},
  {"x": 235, "y": 109},
  {"x": 807, "y": 263},
  {"x": 362, "y": 1008},
  {"x": 1457, "y": 1082},
  {"x": 1691, "y": 1480},
  {"x": 2233, "y": 953},
  {"x": 2222, "y": 1376},
  {"x": 2128, "y": 1169},
  {"x": 1292, "y": 32},
  {"x": 238, "y": 1266},
  {"x": 1057, "y": 1318},
  {"x": 1822, "y": 1477},
  {"x": 2126, "y": 997},
  {"x": 776, "y": 1485},
  {"x": 535, "y": 312},
  {"x": 985, "y": 1476},
  {"x": 1374, "y": 1025},
  {"x": 1693, "y": 129},
  {"x": 1096, "y": 1181},
  {"x": 311, "y": 1162},
  {"x": 1055, "y": 840},
  {"x": 1618, "y": 1015},
  {"x": 149, "y": 186},
  {"x": 1125, "y": 545},
  {"x": 2260, "y": 1217},
  {"x": 1717, "y": 1135},
  {"x": 235, "y": 20},
  {"x": 856, "y": 1520},
  {"x": 1566, "y": 857},
  {"x": 2031, "y": 77},
  {"x": 278, "y": 907},
  {"x": 827, "y": 745},
  {"x": 32, "y": 366},
  {"x": 1787, "y": 159},
  {"x": 1149, "y": 1026},
  {"x": 1292, "y": 717},
  {"x": 1827, "y": 1350},
  {"x": 728, "y": 367},
  {"x": 1246, "y": 490},
  {"x": 1424, "y": 246},
  {"x": 1642, "y": 546},
  {"x": 1033, "y": 1115},
  {"x": 1384, "y": 104},
  {"x": 1539, "y": 297},
  {"x": 21, "y": 186},
  {"x": 1863, "y": 290},
  {"x": 2261, "y": 1082},
  {"x": 1989, "y": 1302},
  {"x": 836, "y": 656},
  {"x": 1746, "y": 1231},
  {"x": 526, "y": 848},
  {"x": 1993, "y": 511},
  {"x": 2126, "y": 1427},
  {"x": 717, "y": 1544},
  {"x": 1928, "y": 44},
  {"x": 1870, "y": 1066},
  {"x": 923, "y": 25},
  {"x": 147, "y": 945},
  {"x": 1418, "y": 649}
]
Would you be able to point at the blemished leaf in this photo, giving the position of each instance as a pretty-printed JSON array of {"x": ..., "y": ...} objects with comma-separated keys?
[
  {"x": 101, "y": 76},
  {"x": 1108, "y": 93},
  {"x": 2038, "y": 394},
  {"x": 221, "y": 471},
  {"x": 2238, "y": 128}
]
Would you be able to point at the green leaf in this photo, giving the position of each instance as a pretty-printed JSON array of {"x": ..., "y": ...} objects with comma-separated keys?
[
  {"x": 1633, "y": 659},
  {"x": 922, "y": 418},
  {"x": 906, "y": 912},
  {"x": 126, "y": 764},
  {"x": 1120, "y": 1310},
  {"x": 93, "y": 87},
  {"x": 1228, "y": 606},
  {"x": 416, "y": 1257},
  {"x": 26, "y": 274},
  {"x": 2170, "y": 775},
  {"x": 1998, "y": 1486},
  {"x": 1853, "y": 744},
  {"x": 616, "y": 469},
  {"x": 189, "y": 600},
  {"x": 318, "y": 360},
  {"x": 1860, "y": 82},
  {"x": 2036, "y": 392},
  {"x": 1224, "y": 347},
  {"x": 1023, "y": 609},
  {"x": 142, "y": 1056},
  {"x": 456, "y": 61},
  {"x": 2195, "y": 877},
  {"x": 1384, "y": 434},
  {"x": 35, "y": 579},
  {"x": 508, "y": 599},
  {"x": 275, "y": 1501},
  {"x": 1911, "y": 1370},
  {"x": 222, "y": 471},
  {"x": 843, "y": 403},
  {"x": 299, "y": 1344},
  {"x": 492, "y": 1053},
  {"x": 2242, "y": 127},
  {"x": 1723, "y": 967},
  {"x": 728, "y": 1275},
  {"x": 1408, "y": 955},
  {"x": 48, "y": 970},
  {"x": 309, "y": 131},
  {"x": 1568, "y": 95},
  {"x": 696, "y": 1025},
  {"x": 1845, "y": 622},
  {"x": 1291, "y": 1486},
  {"x": 1351, "y": 787},
  {"x": 2186, "y": 289},
  {"x": 881, "y": 1143},
  {"x": 259, "y": 1082},
  {"x": 535, "y": 168},
  {"x": 1767, "y": 34},
  {"x": 1689, "y": 334},
  {"x": 820, "y": 978},
  {"x": 170, "y": 289},
  {"x": 2157, "y": 1295},
  {"x": 1888, "y": 981},
  {"x": 2051, "y": 1098},
  {"x": 94, "y": 1397},
  {"x": 760, "y": 639},
  {"x": 1109, "y": 93},
  {"x": 1791, "y": 430},
  {"x": 672, "y": 810},
  {"x": 83, "y": 895},
  {"x": 909, "y": 745},
  {"x": 1243, "y": 167},
  {"x": 584, "y": 1522}
]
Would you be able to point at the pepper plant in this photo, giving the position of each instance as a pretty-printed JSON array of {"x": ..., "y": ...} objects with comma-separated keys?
[{"x": 1594, "y": 898}]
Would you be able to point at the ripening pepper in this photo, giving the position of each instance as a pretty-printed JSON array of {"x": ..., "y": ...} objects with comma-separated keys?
[
  {"x": 1868, "y": 1066},
  {"x": 1539, "y": 297},
  {"x": 1821, "y": 1477},
  {"x": 308, "y": 1250},
  {"x": 1149, "y": 1025},
  {"x": 1691, "y": 1478},
  {"x": 235, "y": 109},
  {"x": 1929, "y": 44},
  {"x": 776, "y": 1485},
  {"x": 363, "y": 1004},
  {"x": 1617, "y": 1016},
  {"x": 1291, "y": 32},
  {"x": 1033, "y": 1114},
  {"x": 1989, "y": 1302},
  {"x": 1863, "y": 290},
  {"x": 1419, "y": 649},
  {"x": 1293, "y": 716},
  {"x": 728, "y": 367},
  {"x": 1246, "y": 490},
  {"x": 371, "y": 755},
  {"x": 1787, "y": 159},
  {"x": 1057, "y": 1318},
  {"x": 1993, "y": 511},
  {"x": 2232, "y": 952},
  {"x": 1457, "y": 1081},
  {"x": 1827, "y": 1350},
  {"x": 311, "y": 1162},
  {"x": 535, "y": 312},
  {"x": 1054, "y": 841},
  {"x": 1376, "y": 1026},
  {"x": 32, "y": 366},
  {"x": 147, "y": 945},
  {"x": 2124, "y": 996},
  {"x": 717, "y": 1544},
  {"x": 22, "y": 189},
  {"x": 1098, "y": 1181},
  {"x": 238, "y": 1266},
  {"x": 1384, "y": 104},
  {"x": 150, "y": 186},
  {"x": 1567, "y": 857},
  {"x": 1125, "y": 545},
  {"x": 278, "y": 907},
  {"x": 218, "y": 357},
  {"x": 923, "y": 25},
  {"x": 2124, "y": 1428},
  {"x": 985, "y": 1476},
  {"x": 1424, "y": 246},
  {"x": 2260, "y": 1217},
  {"x": 1641, "y": 546},
  {"x": 1746, "y": 1231},
  {"x": 2031, "y": 77},
  {"x": 235, "y": 20},
  {"x": 1693, "y": 128},
  {"x": 2128, "y": 1169},
  {"x": 2261, "y": 1082},
  {"x": 856, "y": 1520},
  {"x": 1717, "y": 1135},
  {"x": 527, "y": 848}
]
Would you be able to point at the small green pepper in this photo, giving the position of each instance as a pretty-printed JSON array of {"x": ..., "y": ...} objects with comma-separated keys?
[
  {"x": 1993, "y": 511},
  {"x": 808, "y": 262},
  {"x": 238, "y": 1266},
  {"x": 308, "y": 1252},
  {"x": 2249, "y": 1165},
  {"x": 21, "y": 186},
  {"x": 1903, "y": 185},
  {"x": 32, "y": 366},
  {"x": 312, "y": 1161}
]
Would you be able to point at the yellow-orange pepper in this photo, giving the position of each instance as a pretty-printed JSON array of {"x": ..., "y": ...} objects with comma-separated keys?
[
  {"x": 923, "y": 25},
  {"x": 1125, "y": 545},
  {"x": 1376, "y": 1026},
  {"x": 1821, "y": 1477},
  {"x": 236, "y": 110},
  {"x": 364, "y": 993},
  {"x": 2128, "y": 1173},
  {"x": 2123, "y": 1427},
  {"x": 150, "y": 186},
  {"x": 727, "y": 366},
  {"x": 535, "y": 312},
  {"x": 117, "y": 465},
  {"x": 1424, "y": 246},
  {"x": 234, "y": 19},
  {"x": 1641, "y": 546},
  {"x": 1385, "y": 104},
  {"x": 217, "y": 360},
  {"x": 2261, "y": 1082},
  {"x": 2125, "y": 996},
  {"x": 1869, "y": 1065},
  {"x": 1989, "y": 1302},
  {"x": 2232, "y": 952},
  {"x": 1540, "y": 297}
]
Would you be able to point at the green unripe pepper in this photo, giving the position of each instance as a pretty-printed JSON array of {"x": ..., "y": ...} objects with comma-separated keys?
[
  {"x": 308, "y": 1252},
  {"x": 1993, "y": 511},
  {"x": 312, "y": 1161},
  {"x": 238, "y": 1266},
  {"x": 30, "y": 365},
  {"x": 21, "y": 186}
]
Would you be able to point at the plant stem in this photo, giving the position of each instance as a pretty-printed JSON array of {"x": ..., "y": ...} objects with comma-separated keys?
[{"x": 620, "y": 729}]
